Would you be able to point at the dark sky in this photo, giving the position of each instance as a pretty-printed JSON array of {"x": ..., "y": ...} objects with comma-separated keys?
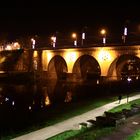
[{"x": 44, "y": 17}]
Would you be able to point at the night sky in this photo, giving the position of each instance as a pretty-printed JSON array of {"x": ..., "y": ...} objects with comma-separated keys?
[{"x": 22, "y": 17}]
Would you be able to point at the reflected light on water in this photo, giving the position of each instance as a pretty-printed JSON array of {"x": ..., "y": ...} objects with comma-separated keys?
[
  {"x": 68, "y": 97},
  {"x": 35, "y": 54},
  {"x": 2, "y": 59},
  {"x": 30, "y": 107},
  {"x": 13, "y": 103},
  {"x": 2, "y": 72},
  {"x": 47, "y": 101}
]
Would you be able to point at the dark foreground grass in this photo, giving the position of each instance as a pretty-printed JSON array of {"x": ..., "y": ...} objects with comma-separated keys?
[{"x": 84, "y": 134}]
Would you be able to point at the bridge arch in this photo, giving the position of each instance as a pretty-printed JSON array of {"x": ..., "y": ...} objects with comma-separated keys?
[
  {"x": 126, "y": 65},
  {"x": 85, "y": 67},
  {"x": 57, "y": 67}
]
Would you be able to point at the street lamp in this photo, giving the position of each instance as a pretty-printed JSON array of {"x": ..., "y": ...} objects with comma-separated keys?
[
  {"x": 83, "y": 37},
  {"x": 74, "y": 36},
  {"x": 33, "y": 43},
  {"x": 124, "y": 35},
  {"x": 53, "y": 38},
  {"x": 129, "y": 81},
  {"x": 103, "y": 33}
]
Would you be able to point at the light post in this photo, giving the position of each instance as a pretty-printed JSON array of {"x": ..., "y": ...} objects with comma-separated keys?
[
  {"x": 124, "y": 35},
  {"x": 33, "y": 43},
  {"x": 129, "y": 81},
  {"x": 103, "y": 33},
  {"x": 53, "y": 38},
  {"x": 83, "y": 38},
  {"x": 74, "y": 36}
]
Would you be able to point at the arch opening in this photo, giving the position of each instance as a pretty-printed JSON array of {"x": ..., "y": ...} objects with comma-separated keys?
[
  {"x": 86, "y": 68},
  {"x": 125, "y": 67},
  {"x": 57, "y": 68}
]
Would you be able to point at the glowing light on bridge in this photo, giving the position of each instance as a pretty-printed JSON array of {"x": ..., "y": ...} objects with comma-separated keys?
[
  {"x": 33, "y": 43},
  {"x": 49, "y": 56},
  {"x": 103, "y": 33},
  {"x": 124, "y": 35},
  {"x": 8, "y": 47},
  {"x": 74, "y": 36},
  {"x": 104, "y": 55},
  {"x": 53, "y": 38},
  {"x": 71, "y": 56},
  {"x": 46, "y": 57},
  {"x": 35, "y": 54},
  {"x": 2, "y": 59}
]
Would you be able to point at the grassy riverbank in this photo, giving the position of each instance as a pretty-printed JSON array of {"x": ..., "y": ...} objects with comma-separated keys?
[{"x": 94, "y": 133}]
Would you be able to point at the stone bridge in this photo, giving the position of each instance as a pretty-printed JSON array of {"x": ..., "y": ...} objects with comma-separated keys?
[{"x": 111, "y": 62}]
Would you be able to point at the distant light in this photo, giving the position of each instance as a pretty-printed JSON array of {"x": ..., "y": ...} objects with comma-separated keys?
[
  {"x": 125, "y": 31},
  {"x": 6, "y": 99},
  {"x": 74, "y": 35},
  {"x": 13, "y": 103},
  {"x": 8, "y": 47},
  {"x": 75, "y": 42},
  {"x": 104, "y": 40},
  {"x": 30, "y": 107},
  {"x": 97, "y": 82},
  {"x": 33, "y": 43},
  {"x": 103, "y": 32},
  {"x": 129, "y": 79},
  {"x": 53, "y": 38},
  {"x": 83, "y": 35}
]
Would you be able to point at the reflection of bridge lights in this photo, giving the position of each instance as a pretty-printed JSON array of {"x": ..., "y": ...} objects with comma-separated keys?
[
  {"x": 97, "y": 82},
  {"x": 47, "y": 101},
  {"x": 35, "y": 54},
  {"x": 30, "y": 107},
  {"x": 68, "y": 97},
  {"x": 13, "y": 103}
]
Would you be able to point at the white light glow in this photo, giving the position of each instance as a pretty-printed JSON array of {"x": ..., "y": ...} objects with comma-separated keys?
[
  {"x": 129, "y": 79},
  {"x": 125, "y": 31}
]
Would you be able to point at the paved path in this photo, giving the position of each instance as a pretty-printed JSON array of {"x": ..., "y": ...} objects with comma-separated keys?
[{"x": 53, "y": 130}]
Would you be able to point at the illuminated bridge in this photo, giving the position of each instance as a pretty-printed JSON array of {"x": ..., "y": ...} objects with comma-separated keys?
[{"x": 109, "y": 62}]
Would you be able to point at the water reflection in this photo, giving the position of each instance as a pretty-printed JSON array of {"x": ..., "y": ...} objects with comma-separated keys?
[{"x": 33, "y": 96}]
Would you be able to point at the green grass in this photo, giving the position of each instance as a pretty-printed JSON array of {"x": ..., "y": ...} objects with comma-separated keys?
[
  {"x": 84, "y": 134},
  {"x": 135, "y": 136},
  {"x": 67, "y": 134},
  {"x": 95, "y": 133},
  {"x": 124, "y": 106}
]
